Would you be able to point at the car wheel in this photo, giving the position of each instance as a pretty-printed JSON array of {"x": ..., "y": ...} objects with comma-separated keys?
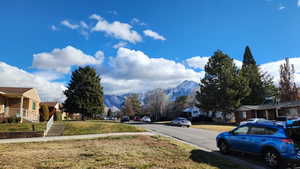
[
  {"x": 223, "y": 147},
  {"x": 272, "y": 158}
]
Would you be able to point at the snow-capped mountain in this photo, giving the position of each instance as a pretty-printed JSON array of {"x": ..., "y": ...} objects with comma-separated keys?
[{"x": 185, "y": 88}]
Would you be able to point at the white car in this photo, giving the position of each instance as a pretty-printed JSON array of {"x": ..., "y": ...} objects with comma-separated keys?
[
  {"x": 180, "y": 121},
  {"x": 253, "y": 120},
  {"x": 146, "y": 119}
]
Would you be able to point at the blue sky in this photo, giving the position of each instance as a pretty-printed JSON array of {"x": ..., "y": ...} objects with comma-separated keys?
[{"x": 163, "y": 42}]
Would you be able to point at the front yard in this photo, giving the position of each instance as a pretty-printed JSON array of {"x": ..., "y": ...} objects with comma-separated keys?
[
  {"x": 74, "y": 127},
  {"x": 97, "y": 127},
  {"x": 130, "y": 152}
]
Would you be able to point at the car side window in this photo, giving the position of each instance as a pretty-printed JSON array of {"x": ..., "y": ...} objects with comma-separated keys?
[
  {"x": 257, "y": 130},
  {"x": 262, "y": 130},
  {"x": 270, "y": 131},
  {"x": 241, "y": 130}
]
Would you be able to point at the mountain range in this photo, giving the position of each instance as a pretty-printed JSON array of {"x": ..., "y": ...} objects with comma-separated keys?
[{"x": 185, "y": 88}]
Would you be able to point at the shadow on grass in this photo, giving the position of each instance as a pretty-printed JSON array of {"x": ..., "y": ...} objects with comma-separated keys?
[{"x": 234, "y": 160}]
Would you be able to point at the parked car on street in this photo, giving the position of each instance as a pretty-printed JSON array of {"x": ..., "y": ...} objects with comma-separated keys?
[
  {"x": 253, "y": 120},
  {"x": 136, "y": 118},
  {"x": 180, "y": 121},
  {"x": 146, "y": 119},
  {"x": 125, "y": 119},
  {"x": 278, "y": 144}
]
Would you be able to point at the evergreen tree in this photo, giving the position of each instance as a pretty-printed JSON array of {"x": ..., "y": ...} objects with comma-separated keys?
[
  {"x": 222, "y": 88},
  {"x": 44, "y": 113},
  {"x": 287, "y": 86},
  {"x": 84, "y": 93},
  {"x": 261, "y": 85}
]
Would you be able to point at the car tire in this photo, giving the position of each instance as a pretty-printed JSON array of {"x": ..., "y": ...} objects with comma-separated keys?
[
  {"x": 223, "y": 147},
  {"x": 272, "y": 159}
]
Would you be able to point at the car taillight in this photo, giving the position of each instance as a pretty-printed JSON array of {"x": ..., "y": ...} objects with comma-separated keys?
[{"x": 288, "y": 141}]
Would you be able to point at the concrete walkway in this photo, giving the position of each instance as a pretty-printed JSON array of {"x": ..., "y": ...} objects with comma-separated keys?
[{"x": 75, "y": 137}]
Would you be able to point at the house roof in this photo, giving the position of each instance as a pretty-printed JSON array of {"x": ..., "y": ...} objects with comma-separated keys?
[
  {"x": 270, "y": 106},
  {"x": 14, "y": 90},
  {"x": 49, "y": 104}
]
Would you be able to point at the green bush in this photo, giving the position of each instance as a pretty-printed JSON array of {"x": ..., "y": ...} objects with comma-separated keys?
[{"x": 44, "y": 113}]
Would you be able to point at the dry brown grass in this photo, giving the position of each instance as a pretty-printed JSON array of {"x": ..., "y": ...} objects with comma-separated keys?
[
  {"x": 220, "y": 128},
  {"x": 128, "y": 152}
]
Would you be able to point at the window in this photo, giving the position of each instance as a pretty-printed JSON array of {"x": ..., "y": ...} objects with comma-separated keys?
[
  {"x": 243, "y": 115},
  {"x": 270, "y": 131},
  {"x": 241, "y": 130},
  {"x": 262, "y": 130},
  {"x": 33, "y": 105},
  {"x": 257, "y": 130}
]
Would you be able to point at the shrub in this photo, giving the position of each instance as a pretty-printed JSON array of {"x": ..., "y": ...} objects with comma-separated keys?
[
  {"x": 58, "y": 116},
  {"x": 44, "y": 113},
  {"x": 10, "y": 119}
]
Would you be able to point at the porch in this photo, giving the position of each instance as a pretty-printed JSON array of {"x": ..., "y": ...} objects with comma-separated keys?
[{"x": 17, "y": 106}]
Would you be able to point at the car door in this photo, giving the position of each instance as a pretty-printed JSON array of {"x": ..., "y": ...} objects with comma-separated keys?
[
  {"x": 258, "y": 136},
  {"x": 238, "y": 139}
]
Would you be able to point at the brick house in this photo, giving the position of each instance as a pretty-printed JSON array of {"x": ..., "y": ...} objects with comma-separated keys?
[{"x": 268, "y": 111}]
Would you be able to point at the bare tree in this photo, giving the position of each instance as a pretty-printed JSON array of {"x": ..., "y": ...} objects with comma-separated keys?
[
  {"x": 287, "y": 86},
  {"x": 157, "y": 101}
]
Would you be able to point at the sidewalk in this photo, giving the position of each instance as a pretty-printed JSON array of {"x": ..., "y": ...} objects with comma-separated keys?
[{"x": 75, "y": 137}]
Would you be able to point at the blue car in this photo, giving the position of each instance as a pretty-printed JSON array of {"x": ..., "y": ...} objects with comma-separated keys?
[{"x": 276, "y": 142}]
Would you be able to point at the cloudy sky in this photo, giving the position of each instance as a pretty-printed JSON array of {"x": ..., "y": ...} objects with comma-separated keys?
[{"x": 139, "y": 45}]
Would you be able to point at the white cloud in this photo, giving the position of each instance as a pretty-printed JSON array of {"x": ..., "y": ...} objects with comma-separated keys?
[
  {"x": 54, "y": 28},
  {"x": 61, "y": 60},
  {"x": 153, "y": 35},
  {"x": 273, "y": 69},
  {"x": 298, "y": 3},
  {"x": 118, "y": 30},
  {"x": 84, "y": 25},
  {"x": 137, "y": 22},
  {"x": 14, "y": 77},
  {"x": 120, "y": 44},
  {"x": 113, "y": 12},
  {"x": 96, "y": 17},
  {"x": 69, "y": 25},
  {"x": 134, "y": 71},
  {"x": 281, "y": 7},
  {"x": 200, "y": 62},
  {"x": 48, "y": 75}
]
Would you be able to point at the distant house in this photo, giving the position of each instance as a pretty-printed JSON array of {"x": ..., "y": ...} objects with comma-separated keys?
[
  {"x": 268, "y": 111},
  {"x": 19, "y": 102}
]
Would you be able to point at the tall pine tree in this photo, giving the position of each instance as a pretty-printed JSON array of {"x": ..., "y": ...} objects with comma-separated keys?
[
  {"x": 84, "y": 93},
  {"x": 222, "y": 88},
  {"x": 261, "y": 85}
]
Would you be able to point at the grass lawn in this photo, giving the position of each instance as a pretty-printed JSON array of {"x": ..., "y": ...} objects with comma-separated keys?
[
  {"x": 75, "y": 127},
  {"x": 214, "y": 127},
  {"x": 97, "y": 127},
  {"x": 13, "y": 127},
  {"x": 126, "y": 152}
]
